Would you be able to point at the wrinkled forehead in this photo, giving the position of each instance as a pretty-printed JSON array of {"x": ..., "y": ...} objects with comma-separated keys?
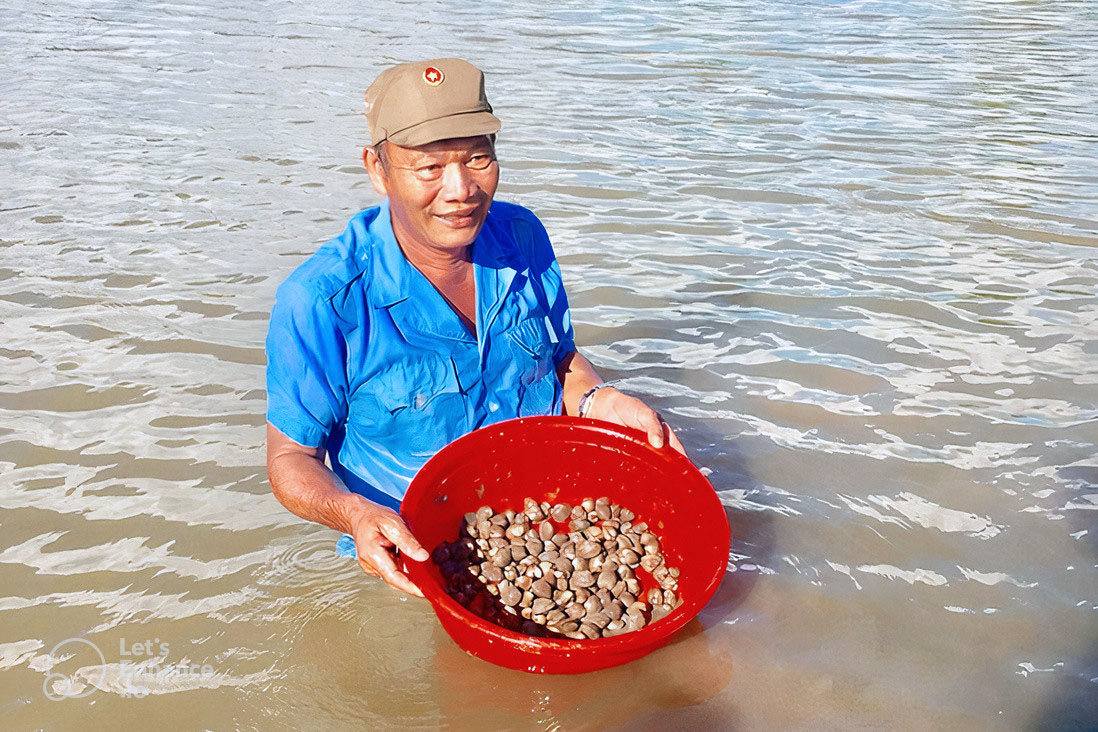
[{"x": 443, "y": 148}]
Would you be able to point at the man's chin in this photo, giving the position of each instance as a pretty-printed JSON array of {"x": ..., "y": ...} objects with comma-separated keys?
[{"x": 453, "y": 237}]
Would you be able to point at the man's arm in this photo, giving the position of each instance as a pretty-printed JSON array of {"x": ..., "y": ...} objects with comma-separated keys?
[
  {"x": 303, "y": 484},
  {"x": 577, "y": 375}
]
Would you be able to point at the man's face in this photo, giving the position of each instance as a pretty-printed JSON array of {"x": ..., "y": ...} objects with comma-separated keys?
[{"x": 439, "y": 193}]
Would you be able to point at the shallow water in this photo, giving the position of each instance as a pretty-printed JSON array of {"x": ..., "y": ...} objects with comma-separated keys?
[{"x": 847, "y": 249}]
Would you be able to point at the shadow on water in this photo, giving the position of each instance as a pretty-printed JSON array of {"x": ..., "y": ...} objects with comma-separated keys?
[
  {"x": 1072, "y": 705},
  {"x": 753, "y": 533},
  {"x": 476, "y": 695}
]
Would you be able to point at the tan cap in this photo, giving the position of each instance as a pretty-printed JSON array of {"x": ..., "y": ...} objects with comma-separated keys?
[{"x": 424, "y": 101}]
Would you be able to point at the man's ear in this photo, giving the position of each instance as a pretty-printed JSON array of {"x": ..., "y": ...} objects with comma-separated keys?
[{"x": 377, "y": 173}]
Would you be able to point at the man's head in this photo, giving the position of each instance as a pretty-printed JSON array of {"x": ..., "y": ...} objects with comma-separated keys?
[{"x": 432, "y": 151}]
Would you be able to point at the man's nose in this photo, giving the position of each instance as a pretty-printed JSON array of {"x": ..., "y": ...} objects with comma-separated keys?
[{"x": 458, "y": 183}]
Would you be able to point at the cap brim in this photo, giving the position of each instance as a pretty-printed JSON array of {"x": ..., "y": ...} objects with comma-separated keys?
[{"x": 469, "y": 124}]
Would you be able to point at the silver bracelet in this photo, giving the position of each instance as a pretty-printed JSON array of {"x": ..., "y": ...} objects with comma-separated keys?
[{"x": 587, "y": 399}]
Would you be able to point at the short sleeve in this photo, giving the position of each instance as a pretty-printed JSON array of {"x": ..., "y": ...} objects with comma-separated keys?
[
  {"x": 306, "y": 372},
  {"x": 560, "y": 318},
  {"x": 544, "y": 264}
]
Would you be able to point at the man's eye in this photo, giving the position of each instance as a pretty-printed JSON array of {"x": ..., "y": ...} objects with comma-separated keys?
[{"x": 479, "y": 162}]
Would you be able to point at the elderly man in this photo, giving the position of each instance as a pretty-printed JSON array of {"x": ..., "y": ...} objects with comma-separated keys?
[{"x": 433, "y": 314}]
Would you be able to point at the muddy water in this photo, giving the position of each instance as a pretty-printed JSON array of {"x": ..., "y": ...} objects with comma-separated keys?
[{"x": 848, "y": 249}]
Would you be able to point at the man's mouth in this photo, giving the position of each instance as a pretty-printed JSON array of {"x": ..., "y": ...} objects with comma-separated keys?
[{"x": 457, "y": 219}]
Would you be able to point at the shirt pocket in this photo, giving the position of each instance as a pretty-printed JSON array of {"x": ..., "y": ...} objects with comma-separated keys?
[
  {"x": 537, "y": 379},
  {"x": 417, "y": 407}
]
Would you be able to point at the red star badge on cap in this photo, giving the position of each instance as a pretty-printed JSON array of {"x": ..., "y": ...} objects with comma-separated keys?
[{"x": 432, "y": 76}]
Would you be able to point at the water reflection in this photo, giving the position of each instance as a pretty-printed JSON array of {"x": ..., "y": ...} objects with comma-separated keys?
[{"x": 474, "y": 694}]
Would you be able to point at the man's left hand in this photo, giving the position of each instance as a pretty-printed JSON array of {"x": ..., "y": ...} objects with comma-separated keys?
[{"x": 611, "y": 405}]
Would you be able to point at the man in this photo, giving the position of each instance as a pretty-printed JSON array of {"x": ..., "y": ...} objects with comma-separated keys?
[{"x": 433, "y": 314}]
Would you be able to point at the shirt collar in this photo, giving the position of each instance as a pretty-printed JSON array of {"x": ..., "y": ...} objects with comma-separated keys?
[
  {"x": 495, "y": 266},
  {"x": 388, "y": 267}
]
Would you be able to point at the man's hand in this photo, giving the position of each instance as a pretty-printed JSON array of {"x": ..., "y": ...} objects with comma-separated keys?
[
  {"x": 577, "y": 375},
  {"x": 611, "y": 405},
  {"x": 379, "y": 533},
  {"x": 303, "y": 483}
]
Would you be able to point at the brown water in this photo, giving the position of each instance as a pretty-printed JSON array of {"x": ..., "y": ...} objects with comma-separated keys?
[{"x": 848, "y": 249}]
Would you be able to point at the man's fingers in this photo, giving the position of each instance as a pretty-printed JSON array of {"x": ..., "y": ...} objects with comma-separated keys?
[
  {"x": 367, "y": 567},
  {"x": 652, "y": 424},
  {"x": 401, "y": 582},
  {"x": 396, "y": 532},
  {"x": 387, "y": 570},
  {"x": 673, "y": 440}
]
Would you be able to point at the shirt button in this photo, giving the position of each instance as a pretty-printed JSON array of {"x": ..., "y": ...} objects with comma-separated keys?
[
  {"x": 492, "y": 406},
  {"x": 421, "y": 400}
]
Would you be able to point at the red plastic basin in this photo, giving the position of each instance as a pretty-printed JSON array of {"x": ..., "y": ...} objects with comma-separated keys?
[{"x": 565, "y": 459}]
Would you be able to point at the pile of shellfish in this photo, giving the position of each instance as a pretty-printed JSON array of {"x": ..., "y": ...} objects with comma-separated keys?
[{"x": 525, "y": 572}]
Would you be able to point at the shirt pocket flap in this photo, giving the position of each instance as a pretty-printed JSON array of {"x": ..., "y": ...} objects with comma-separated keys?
[
  {"x": 415, "y": 383},
  {"x": 532, "y": 337}
]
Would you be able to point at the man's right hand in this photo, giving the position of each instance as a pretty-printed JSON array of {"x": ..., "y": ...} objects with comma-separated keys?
[
  {"x": 303, "y": 483},
  {"x": 379, "y": 534}
]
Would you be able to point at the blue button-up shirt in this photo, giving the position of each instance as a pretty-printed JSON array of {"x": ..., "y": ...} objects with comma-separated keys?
[{"x": 366, "y": 358}]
